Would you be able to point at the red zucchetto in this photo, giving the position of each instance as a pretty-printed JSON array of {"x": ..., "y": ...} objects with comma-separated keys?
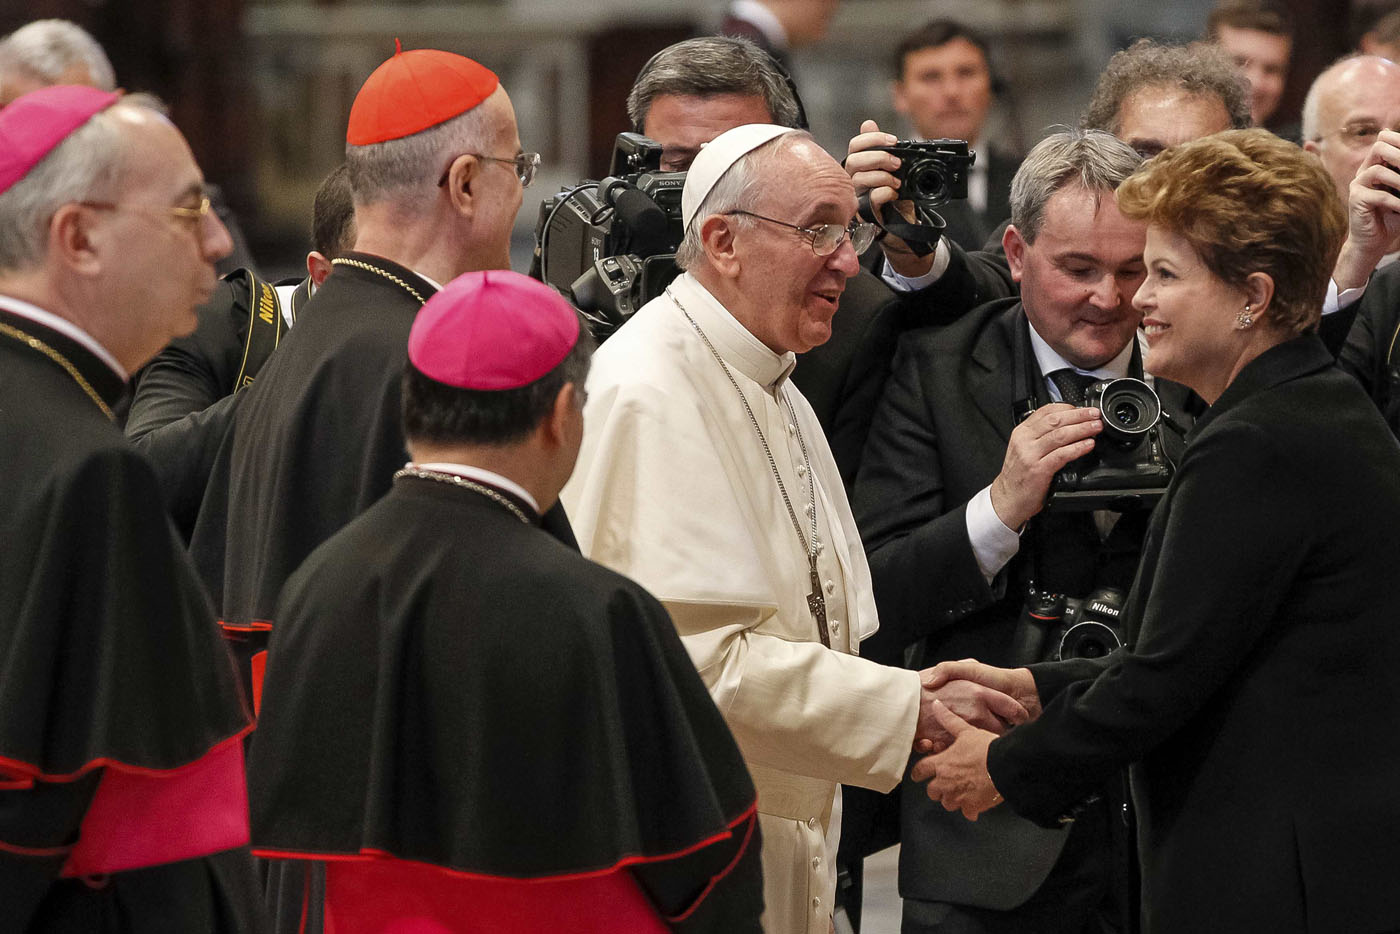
[
  {"x": 492, "y": 330},
  {"x": 415, "y": 90},
  {"x": 33, "y": 125}
]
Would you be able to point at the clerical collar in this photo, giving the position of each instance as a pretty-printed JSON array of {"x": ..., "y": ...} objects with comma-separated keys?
[
  {"x": 764, "y": 19},
  {"x": 739, "y": 348},
  {"x": 488, "y": 477},
  {"x": 65, "y": 327},
  {"x": 1049, "y": 361}
]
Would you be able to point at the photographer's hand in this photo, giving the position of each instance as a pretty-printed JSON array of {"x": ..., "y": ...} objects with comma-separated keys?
[
  {"x": 872, "y": 170},
  {"x": 1040, "y": 446},
  {"x": 1373, "y": 213}
]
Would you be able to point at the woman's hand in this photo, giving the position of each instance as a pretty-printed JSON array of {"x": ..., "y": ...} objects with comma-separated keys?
[{"x": 957, "y": 777}]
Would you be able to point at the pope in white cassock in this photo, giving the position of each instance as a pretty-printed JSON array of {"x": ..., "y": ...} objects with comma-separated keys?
[{"x": 705, "y": 476}]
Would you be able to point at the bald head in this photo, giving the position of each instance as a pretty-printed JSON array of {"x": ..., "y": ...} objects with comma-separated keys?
[{"x": 1346, "y": 107}]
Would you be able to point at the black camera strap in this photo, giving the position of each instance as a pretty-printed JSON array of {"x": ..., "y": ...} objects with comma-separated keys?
[{"x": 922, "y": 238}]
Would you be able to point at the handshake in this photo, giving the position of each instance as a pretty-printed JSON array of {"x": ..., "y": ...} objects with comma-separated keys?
[{"x": 964, "y": 706}]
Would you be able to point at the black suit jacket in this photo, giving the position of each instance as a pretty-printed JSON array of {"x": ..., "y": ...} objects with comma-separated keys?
[
  {"x": 1258, "y": 699},
  {"x": 939, "y": 436},
  {"x": 1370, "y": 353}
]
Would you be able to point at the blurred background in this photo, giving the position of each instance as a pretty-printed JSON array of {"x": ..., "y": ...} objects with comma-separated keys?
[{"x": 262, "y": 88}]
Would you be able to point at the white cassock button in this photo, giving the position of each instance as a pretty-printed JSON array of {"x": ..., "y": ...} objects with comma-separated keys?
[
  {"x": 835, "y": 627},
  {"x": 809, "y": 509},
  {"x": 821, "y": 546},
  {"x": 830, "y": 587},
  {"x": 792, "y": 430},
  {"x": 816, "y": 862},
  {"x": 816, "y": 903},
  {"x": 802, "y": 470},
  {"x": 811, "y": 823}
]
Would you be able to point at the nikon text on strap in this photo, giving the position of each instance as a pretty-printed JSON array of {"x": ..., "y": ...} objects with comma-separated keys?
[{"x": 265, "y": 327}]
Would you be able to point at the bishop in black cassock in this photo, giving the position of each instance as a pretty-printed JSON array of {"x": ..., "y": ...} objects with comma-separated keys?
[
  {"x": 122, "y": 800},
  {"x": 465, "y": 719}
]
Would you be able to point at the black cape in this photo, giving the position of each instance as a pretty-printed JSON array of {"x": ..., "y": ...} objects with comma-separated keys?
[
  {"x": 315, "y": 441},
  {"x": 111, "y": 660},
  {"x": 449, "y": 685}
]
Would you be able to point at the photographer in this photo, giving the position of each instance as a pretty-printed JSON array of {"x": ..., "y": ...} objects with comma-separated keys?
[{"x": 948, "y": 501}]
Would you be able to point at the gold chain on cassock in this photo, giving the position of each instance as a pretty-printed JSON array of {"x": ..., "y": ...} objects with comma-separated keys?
[
  {"x": 816, "y": 602},
  {"x": 466, "y": 484},
  {"x": 34, "y": 343},
  {"x": 346, "y": 261}
]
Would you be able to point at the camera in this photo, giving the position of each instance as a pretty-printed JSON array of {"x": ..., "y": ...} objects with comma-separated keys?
[
  {"x": 1128, "y": 468},
  {"x": 1054, "y": 627},
  {"x": 932, "y": 172},
  {"x": 609, "y": 246}
]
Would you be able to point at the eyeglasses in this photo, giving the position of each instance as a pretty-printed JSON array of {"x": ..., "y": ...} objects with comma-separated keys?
[
  {"x": 1359, "y": 134},
  {"x": 827, "y": 238},
  {"x": 525, "y": 164},
  {"x": 191, "y": 214}
]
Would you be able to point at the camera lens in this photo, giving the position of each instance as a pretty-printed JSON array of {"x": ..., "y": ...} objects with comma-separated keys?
[
  {"x": 1130, "y": 407},
  {"x": 926, "y": 181},
  {"x": 1126, "y": 413},
  {"x": 1088, "y": 640}
]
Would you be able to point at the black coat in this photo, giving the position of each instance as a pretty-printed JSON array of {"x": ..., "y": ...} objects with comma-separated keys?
[
  {"x": 112, "y": 665},
  {"x": 1257, "y": 702},
  {"x": 939, "y": 437}
]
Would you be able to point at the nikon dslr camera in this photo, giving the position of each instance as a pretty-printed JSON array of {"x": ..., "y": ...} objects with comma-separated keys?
[
  {"x": 1128, "y": 468},
  {"x": 1054, "y": 627}
]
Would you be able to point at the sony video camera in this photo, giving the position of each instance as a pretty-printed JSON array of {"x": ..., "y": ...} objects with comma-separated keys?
[
  {"x": 1054, "y": 627},
  {"x": 1128, "y": 468},
  {"x": 610, "y": 246},
  {"x": 932, "y": 172}
]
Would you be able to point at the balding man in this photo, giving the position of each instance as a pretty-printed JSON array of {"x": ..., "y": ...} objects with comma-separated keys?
[
  {"x": 123, "y": 805},
  {"x": 704, "y": 476}
]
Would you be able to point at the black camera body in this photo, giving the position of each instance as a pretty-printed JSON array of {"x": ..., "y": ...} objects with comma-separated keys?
[
  {"x": 1128, "y": 468},
  {"x": 1054, "y": 627},
  {"x": 610, "y": 246},
  {"x": 932, "y": 172}
]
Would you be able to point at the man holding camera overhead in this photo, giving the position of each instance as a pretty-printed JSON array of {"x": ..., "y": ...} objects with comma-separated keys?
[{"x": 949, "y": 502}]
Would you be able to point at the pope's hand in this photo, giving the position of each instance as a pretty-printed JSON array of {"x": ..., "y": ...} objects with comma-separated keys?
[
  {"x": 975, "y": 703},
  {"x": 957, "y": 777}
]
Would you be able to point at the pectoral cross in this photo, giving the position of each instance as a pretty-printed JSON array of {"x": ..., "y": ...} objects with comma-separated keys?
[{"x": 817, "y": 604}]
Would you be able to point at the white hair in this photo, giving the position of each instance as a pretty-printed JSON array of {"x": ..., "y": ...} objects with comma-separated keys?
[
  {"x": 47, "y": 48},
  {"x": 737, "y": 189},
  {"x": 85, "y": 166}
]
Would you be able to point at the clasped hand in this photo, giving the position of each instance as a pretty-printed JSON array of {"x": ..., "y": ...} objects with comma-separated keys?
[{"x": 965, "y": 706}]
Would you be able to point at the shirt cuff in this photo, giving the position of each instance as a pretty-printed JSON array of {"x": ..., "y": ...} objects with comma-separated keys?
[
  {"x": 993, "y": 544},
  {"x": 942, "y": 256},
  {"x": 1337, "y": 300}
]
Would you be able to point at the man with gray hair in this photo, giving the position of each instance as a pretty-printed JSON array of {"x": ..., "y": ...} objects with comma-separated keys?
[
  {"x": 47, "y": 52},
  {"x": 121, "y": 764},
  {"x": 51, "y": 51},
  {"x": 437, "y": 174},
  {"x": 704, "y": 476},
  {"x": 949, "y": 503}
]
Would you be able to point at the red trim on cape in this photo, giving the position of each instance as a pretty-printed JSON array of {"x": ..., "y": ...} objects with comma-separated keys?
[
  {"x": 34, "y": 851},
  {"x": 719, "y": 877},
  {"x": 139, "y": 818},
  {"x": 32, "y": 773},
  {"x": 369, "y": 853},
  {"x": 257, "y": 625}
]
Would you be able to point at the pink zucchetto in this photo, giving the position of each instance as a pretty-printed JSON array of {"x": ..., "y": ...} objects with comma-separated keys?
[
  {"x": 33, "y": 125},
  {"x": 492, "y": 330}
]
